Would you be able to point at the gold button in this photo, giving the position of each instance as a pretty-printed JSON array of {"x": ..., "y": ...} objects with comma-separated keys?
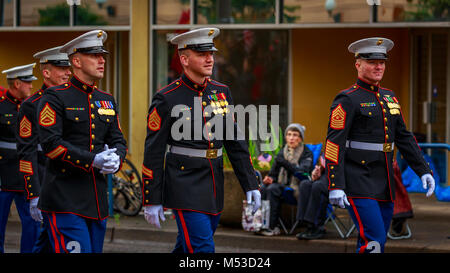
[
  {"x": 93, "y": 136},
  {"x": 378, "y": 94},
  {"x": 28, "y": 178},
  {"x": 77, "y": 119},
  {"x": 40, "y": 93},
  {"x": 63, "y": 170},
  {"x": 146, "y": 201},
  {"x": 354, "y": 86},
  {"x": 381, "y": 103},
  {"x": 9, "y": 122},
  {"x": 385, "y": 119},
  {"x": 92, "y": 147},
  {"x": 1, "y": 157},
  {"x": 204, "y": 103},
  {"x": 201, "y": 93},
  {"x": 385, "y": 128},
  {"x": 87, "y": 165},
  {"x": 387, "y": 136},
  {"x": 177, "y": 83},
  {"x": 31, "y": 194},
  {"x": 211, "y": 145},
  {"x": 384, "y": 110},
  {"x": 92, "y": 116},
  {"x": 92, "y": 105},
  {"x": 363, "y": 162},
  {"x": 90, "y": 96},
  {"x": 29, "y": 186},
  {"x": 333, "y": 185},
  {"x": 209, "y": 134},
  {"x": 84, "y": 87},
  {"x": 93, "y": 126},
  {"x": 146, "y": 192},
  {"x": 188, "y": 118},
  {"x": 146, "y": 182},
  {"x": 208, "y": 123},
  {"x": 66, "y": 84},
  {"x": 107, "y": 120},
  {"x": 206, "y": 113},
  {"x": 195, "y": 86},
  {"x": 78, "y": 161},
  {"x": 370, "y": 113},
  {"x": 332, "y": 167},
  {"x": 182, "y": 168},
  {"x": 371, "y": 87},
  {"x": 68, "y": 157},
  {"x": 332, "y": 176}
]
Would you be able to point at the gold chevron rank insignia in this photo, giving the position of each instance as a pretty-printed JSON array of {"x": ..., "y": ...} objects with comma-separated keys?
[
  {"x": 25, "y": 167},
  {"x": 56, "y": 152},
  {"x": 147, "y": 172},
  {"x": 154, "y": 121},
  {"x": 47, "y": 117},
  {"x": 337, "y": 120},
  {"x": 332, "y": 151},
  {"x": 25, "y": 128}
]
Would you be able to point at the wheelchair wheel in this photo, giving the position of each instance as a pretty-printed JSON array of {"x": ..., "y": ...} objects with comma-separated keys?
[{"x": 127, "y": 190}]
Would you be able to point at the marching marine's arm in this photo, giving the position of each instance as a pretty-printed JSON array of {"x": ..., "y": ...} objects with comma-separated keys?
[
  {"x": 50, "y": 119},
  {"x": 340, "y": 122},
  {"x": 158, "y": 130}
]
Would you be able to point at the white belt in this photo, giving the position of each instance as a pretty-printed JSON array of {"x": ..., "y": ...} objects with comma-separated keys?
[
  {"x": 13, "y": 146},
  {"x": 208, "y": 153},
  {"x": 380, "y": 147}
]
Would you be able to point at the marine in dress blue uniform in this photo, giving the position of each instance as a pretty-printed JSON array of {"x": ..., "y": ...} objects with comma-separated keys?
[
  {"x": 11, "y": 180},
  {"x": 55, "y": 70},
  {"x": 191, "y": 181},
  {"x": 365, "y": 124},
  {"x": 76, "y": 120}
]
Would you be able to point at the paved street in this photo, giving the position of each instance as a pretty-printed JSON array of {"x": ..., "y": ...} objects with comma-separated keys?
[{"x": 430, "y": 227}]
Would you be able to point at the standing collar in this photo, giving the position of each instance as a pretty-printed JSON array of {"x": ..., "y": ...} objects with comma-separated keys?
[
  {"x": 193, "y": 85},
  {"x": 75, "y": 81},
  {"x": 367, "y": 86},
  {"x": 12, "y": 98}
]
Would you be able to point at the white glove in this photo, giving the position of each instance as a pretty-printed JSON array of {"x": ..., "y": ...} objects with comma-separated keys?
[
  {"x": 428, "y": 182},
  {"x": 101, "y": 158},
  {"x": 338, "y": 197},
  {"x": 112, "y": 165},
  {"x": 153, "y": 213},
  {"x": 254, "y": 195},
  {"x": 34, "y": 211}
]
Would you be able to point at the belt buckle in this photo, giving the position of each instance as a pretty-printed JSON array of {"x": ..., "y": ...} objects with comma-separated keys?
[
  {"x": 387, "y": 147},
  {"x": 211, "y": 153}
]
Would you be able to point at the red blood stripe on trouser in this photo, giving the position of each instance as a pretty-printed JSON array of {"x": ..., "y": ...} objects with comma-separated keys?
[
  {"x": 185, "y": 232},
  {"x": 361, "y": 228}
]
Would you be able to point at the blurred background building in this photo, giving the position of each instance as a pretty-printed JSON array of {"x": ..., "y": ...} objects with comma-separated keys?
[{"x": 291, "y": 53}]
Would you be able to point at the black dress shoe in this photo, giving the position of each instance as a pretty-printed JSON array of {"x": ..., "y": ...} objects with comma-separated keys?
[{"x": 314, "y": 234}]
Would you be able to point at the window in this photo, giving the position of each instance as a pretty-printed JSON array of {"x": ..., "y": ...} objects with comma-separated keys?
[
  {"x": 235, "y": 11},
  {"x": 172, "y": 12},
  {"x": 253, "y": 63}
]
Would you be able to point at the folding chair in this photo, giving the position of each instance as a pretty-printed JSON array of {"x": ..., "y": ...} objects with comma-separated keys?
[
  {"x": 344, "y": 230},
  {"x": 289, "y": 198}
]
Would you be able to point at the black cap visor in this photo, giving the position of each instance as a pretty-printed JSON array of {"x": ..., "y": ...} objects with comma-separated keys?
[
  {"x": 62, "y": 63},
  {"x": 201, "y": 47},
  {"x": 372, "y": 56},
  {"x": 92, "y": 50}
]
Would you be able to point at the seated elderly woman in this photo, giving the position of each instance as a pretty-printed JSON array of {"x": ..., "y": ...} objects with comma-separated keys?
[{"x": 294, "y": 160}]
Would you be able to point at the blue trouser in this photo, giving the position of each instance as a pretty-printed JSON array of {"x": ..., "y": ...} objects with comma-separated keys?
[
  {"x": 195, "y": 231},
  {"x": 42, "y": 244},
  {"x": 372, "y": 219},
  {"x": 69, "y": 233},
  {"x": 30, "y": 228}
]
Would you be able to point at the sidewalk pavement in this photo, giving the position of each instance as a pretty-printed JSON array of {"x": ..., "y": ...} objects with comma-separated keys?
[{"x": 430, "y": 233}]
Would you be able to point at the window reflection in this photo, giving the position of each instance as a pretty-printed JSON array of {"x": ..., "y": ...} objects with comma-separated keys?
[
  {"x": 413, "y": 10},
  {"x": 172, "y": 12},
  {"x": 103, "y": 12},
  {"x": 6, "y": 13},
  {"x": 235, "y": 11},
  {"x": 253, "y": 63},
  {"x": 329, "y": 11}
]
